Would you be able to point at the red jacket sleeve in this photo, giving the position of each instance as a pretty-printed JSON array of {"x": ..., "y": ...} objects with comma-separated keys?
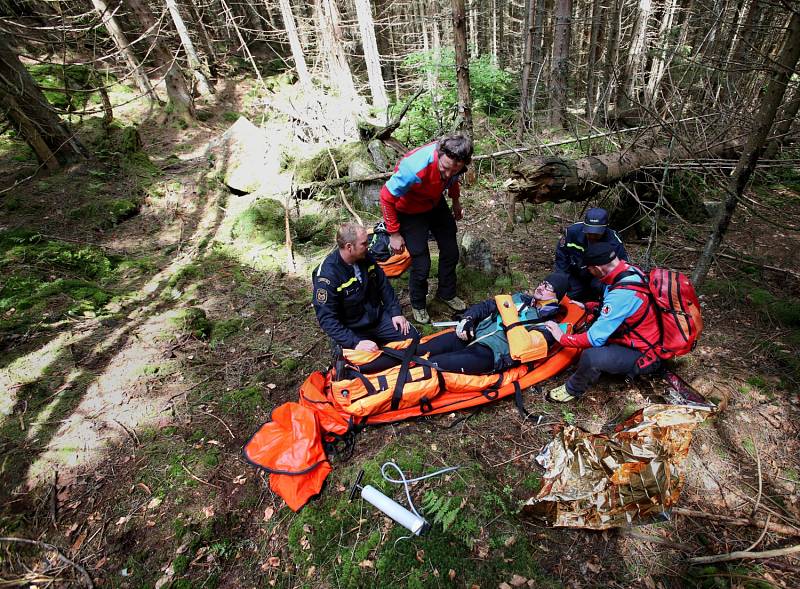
[
  {"x": 455, "y": 191},
  {"x": 389, "y": 210},
  {"x": 579, "y": 340}
]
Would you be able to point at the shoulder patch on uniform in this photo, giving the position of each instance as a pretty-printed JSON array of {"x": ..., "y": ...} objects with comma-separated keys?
[
  {"x": 322, "y": 296},
  {"x": 323, "y": 279},
  {"x": 606, "y": 309}
]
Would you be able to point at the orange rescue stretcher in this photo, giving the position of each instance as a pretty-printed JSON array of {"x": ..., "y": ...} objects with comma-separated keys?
[{"x": 294, "y": 446}]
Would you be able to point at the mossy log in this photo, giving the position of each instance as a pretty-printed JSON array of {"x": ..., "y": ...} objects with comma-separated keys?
[{"x": 555, "y": 179}]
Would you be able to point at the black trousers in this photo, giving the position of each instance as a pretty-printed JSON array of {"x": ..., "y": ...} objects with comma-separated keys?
[
  {"x": 414, "y": 229},
  {"x": 611, "y": 359},
  {"x": 448, "y": 352}
]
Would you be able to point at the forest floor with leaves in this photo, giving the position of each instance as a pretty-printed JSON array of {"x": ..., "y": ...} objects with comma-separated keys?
[{"x": 138, "y": 353}]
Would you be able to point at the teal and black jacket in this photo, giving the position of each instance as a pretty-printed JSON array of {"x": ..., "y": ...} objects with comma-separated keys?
[{"x": 489, "y": 330}]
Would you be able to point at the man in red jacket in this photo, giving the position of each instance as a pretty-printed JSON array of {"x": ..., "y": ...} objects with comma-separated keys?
[{"x": 412, "y": 206}]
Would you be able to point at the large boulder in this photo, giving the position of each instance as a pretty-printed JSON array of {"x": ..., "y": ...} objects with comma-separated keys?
[
  {"x": 477, "y": 255},
  {"x": 244, "y": 156},
  {"x": 384, "y": 155},
  {"x": 367, "y": 193}
]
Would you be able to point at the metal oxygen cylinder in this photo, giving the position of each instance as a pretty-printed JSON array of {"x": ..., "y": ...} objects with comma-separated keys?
[{"x": 409, "y": 520}]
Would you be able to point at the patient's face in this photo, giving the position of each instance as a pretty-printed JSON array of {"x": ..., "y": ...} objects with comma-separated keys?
[{"x": 544, "y": 292}]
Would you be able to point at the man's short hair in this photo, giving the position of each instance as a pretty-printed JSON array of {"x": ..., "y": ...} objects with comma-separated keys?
[
  {"x": 348, "y": 233},
  {"x": 457, "y": 147}
]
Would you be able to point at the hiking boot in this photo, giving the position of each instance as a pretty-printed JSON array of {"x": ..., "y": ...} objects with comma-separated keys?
[
  {"x": 560, "y": 395},
  {"x": 420, "y": 315},
  {"x": 455, "y": 303}
]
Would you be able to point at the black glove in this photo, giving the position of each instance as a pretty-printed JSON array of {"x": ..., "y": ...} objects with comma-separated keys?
[{"x": 465, "y": 329}]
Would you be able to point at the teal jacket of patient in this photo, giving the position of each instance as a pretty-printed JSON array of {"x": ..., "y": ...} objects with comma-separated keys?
[{"x": 489, "y": 330}]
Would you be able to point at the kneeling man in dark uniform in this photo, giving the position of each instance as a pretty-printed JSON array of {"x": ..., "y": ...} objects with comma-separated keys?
[{"x": 354, "y": 302}]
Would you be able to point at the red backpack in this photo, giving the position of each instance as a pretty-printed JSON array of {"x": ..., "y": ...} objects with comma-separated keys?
[{"x": 678, "y": 308}]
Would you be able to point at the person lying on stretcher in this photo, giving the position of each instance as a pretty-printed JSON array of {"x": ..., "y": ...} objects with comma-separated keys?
[{"x": 479, "y": 345}]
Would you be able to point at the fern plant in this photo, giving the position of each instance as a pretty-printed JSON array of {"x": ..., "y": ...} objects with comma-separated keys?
[{"x": 444, "y": 510}]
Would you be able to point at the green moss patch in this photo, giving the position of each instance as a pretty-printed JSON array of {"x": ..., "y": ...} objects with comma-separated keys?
[
  {"x": 192, "y": 320},
  {"x": 105, "y": 214},
  {"x": 49, "y": 278},
  {"x": 246, "y": 400},
  {"x": 263, "y": 222},
  {"x": 225, "y": 328},
  {"x": 320, "y": 167},
  {"x": 67, "y": 87},
  {"x": 472, "y": 521}
]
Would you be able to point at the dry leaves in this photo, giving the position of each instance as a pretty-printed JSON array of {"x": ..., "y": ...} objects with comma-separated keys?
[
  {"x": 273, "y": 562},
  {"x": 268, "y": 513}
]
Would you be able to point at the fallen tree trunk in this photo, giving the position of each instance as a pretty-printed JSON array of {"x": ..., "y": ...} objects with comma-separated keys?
[{"x": 555, "y": 179}]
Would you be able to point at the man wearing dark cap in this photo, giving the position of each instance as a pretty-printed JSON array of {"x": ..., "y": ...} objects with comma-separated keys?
[
  {"x": 626, "y": 328},
  {"x": 572, "y": 247}
]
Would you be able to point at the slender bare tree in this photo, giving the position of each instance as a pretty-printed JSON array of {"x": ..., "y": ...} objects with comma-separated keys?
[
  {"x": 371, "y": 56},
  {"x": 191, "y": 55},
  {"x": 180, "y": 98},
  {"x": 294, "y": 42},
  {"x": 332, "y": 42},
  {"x": 464, "y": 119},
  {"x": 663, "y": 52},
  {"x": 111, "y": 24},
  {"x": 559, "y": 76},
  {"x": 637, "y": 56}
]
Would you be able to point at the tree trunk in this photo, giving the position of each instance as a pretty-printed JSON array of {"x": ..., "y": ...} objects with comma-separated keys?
[
  {"x": 554, "y": 179},
  {"x": 205, "y": 40},
  {"x": 108, "y": 20},
  {"x": 464, "y": 120},
  {"x": 371, "y": 56},
  {"x": 611, "y": 68},
  {"x": 395, "y": 73},
  {"x": 191, "y": 55},
  {"x": 472, "y": 29},
  {"x": 780, "y": 134},
  {"x": 527, "y": 54},
  {"x": 560, "y": 71},
  {"x": 332, "y": 46},
  {"x": 294, "y": 42},
  {"x": 32, "y": 116},
  {"x": 592, "y": 58},
  {"x": 637, "y": 56},
  {"x": 501, "y": 33},
  {"x": 180, "y": 98},
  {"x": 537, "y": 55},
  {"x": 663, "y": 54},
  {"x": 781, "y": 72}
]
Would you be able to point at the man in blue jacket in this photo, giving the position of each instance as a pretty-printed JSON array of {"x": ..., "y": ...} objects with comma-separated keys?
[
  {"x": 354, "y": 302},
  {"x": 620, "y": 341},
  {"x": 572, "y": 247}
]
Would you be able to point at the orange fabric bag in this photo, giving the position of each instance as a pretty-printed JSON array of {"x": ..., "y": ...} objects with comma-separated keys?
[{"x": 290, "y": 448}]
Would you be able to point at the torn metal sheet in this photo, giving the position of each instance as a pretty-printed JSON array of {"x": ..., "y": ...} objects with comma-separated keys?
[{"x": 630, "y": 476}]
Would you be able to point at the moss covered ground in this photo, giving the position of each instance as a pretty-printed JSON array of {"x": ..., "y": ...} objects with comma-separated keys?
[{"x": 149, "y": 324}]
